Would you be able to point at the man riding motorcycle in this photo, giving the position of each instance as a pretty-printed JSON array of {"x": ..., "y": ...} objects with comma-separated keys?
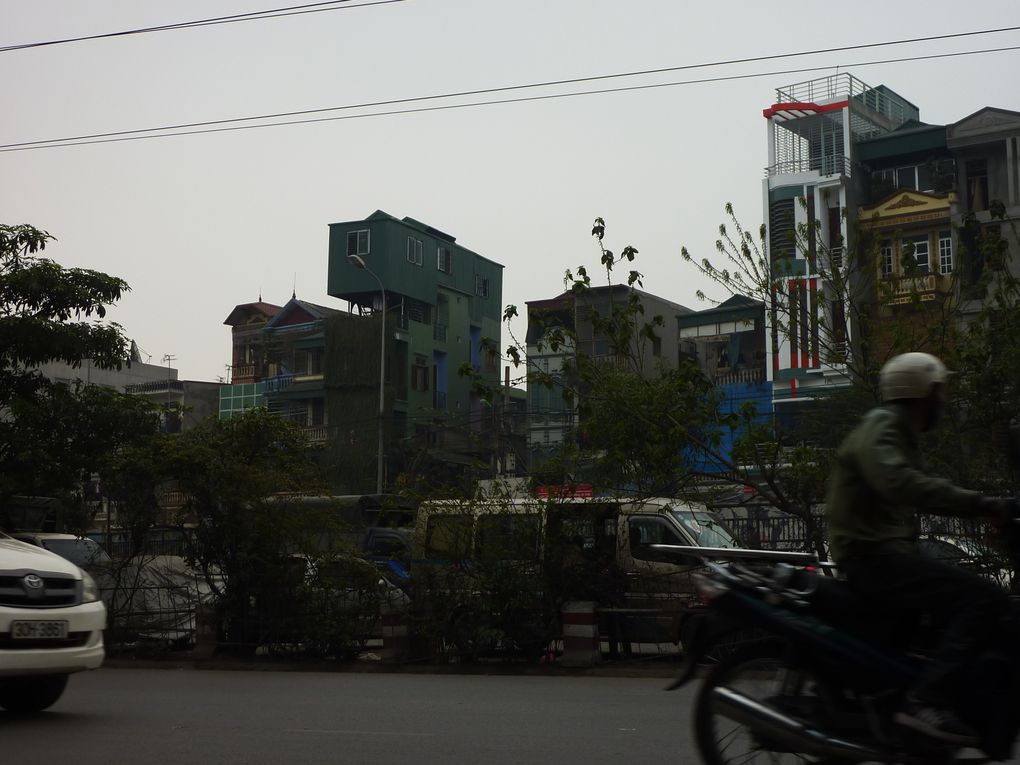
[{"x": 875, "y": 490}]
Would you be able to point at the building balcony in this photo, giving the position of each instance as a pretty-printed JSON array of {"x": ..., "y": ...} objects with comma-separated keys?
[
  {"x": 317, "y": 434},
  {"x": 823, "y": 165},
  {"x": 242, "y": 373},
  {"x": 739, "y": 376},
  {"x": 278, "y": 383}
]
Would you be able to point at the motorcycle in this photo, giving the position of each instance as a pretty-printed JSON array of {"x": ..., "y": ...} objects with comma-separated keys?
[{"x": 806, "y": 672}]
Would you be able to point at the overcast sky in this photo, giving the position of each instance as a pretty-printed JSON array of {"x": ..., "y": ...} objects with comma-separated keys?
[{"x": 198, "y": 224}]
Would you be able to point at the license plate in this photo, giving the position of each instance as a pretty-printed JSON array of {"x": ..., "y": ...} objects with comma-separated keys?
[{"x": 39, "y": 630}]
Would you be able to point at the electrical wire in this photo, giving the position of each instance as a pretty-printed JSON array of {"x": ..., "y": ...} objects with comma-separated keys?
[
  {"x": 507, "y": 88},
  {"x": 272, "y": 13},
  {"x": 172, "y": 131}
]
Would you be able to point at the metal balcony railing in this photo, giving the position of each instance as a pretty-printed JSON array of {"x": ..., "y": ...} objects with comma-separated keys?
[
  {"x": 845, "y": 85},
  {"x": 277, "y": 383},
  {"x": 439, "y": 332},
  {"x": 317, "y": 434},
  {"x": 824, "y": 165}
]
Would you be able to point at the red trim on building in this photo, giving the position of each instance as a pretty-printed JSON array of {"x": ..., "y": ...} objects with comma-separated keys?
[
  {"x": 793, "y": 388},
  {"x": 816, "y": 361},
  {"x": 802, "y": 106},
  {"x": 793, "y": 331}
]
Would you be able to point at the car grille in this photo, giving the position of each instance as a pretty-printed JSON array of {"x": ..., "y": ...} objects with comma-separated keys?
[
  {"x": 57, "y": 590},
  {"x": 73, "y": 640}
]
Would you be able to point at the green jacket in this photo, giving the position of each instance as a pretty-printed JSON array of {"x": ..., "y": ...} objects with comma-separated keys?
[{"x": 878, "y": 485}]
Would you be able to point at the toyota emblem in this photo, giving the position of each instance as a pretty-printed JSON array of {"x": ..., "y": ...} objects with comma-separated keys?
[{"x": 33, "y": 582}]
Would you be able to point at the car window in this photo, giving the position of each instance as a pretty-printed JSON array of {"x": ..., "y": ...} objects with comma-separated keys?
[
  {"x": 508, "y": 536},
  {"x": 652, "y": 531},
  {"x": 81, "y": 552},
  {"x": 448, "y": 536},
  {"x": 705, "y": 528}
]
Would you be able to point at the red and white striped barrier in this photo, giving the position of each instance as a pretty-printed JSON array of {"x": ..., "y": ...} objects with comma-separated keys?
[{"x": 581, "y": 645}]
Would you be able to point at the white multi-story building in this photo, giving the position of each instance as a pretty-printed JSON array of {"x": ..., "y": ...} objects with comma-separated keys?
[{"x": 812, "y": 188}]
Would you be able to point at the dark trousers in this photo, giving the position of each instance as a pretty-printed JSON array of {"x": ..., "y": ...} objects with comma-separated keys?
[{"x": 965, "y": 609}]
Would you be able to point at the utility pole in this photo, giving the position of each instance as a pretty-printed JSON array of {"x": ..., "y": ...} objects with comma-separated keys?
[{"x": 168, "y": 358}]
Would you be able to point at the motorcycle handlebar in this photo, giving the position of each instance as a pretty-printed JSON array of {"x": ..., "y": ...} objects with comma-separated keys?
[{"x": 731, "y": 553}]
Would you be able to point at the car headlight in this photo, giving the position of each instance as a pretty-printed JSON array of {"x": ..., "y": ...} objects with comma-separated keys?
[{"x": 89, "y": 588}]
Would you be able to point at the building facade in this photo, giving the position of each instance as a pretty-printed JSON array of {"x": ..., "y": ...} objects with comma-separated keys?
[
  {"x": 552, "y": 419},
  {"x": 441, "y": 304},
  {"x": 728, "y": 344},
  {"x": 872, "y": 212}
]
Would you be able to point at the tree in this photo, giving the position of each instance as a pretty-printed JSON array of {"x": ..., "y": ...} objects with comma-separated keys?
[
  {"x": 233, "y": 473},
  {"x": 982, "y": 345},
  {"x": 53, "y": 436}
]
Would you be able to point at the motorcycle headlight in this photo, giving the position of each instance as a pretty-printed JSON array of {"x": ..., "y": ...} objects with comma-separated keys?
[{"x": 89, "y": 588}]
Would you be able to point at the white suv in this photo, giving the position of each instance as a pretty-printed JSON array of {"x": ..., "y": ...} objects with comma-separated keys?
[{"x": 51, "y": 624}]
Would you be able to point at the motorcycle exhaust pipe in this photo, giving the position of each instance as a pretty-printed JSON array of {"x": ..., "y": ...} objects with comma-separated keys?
[{"x": 773, "y": 724}]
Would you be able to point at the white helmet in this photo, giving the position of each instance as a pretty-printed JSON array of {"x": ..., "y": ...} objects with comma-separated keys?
[{"x": 910, "y": 375}]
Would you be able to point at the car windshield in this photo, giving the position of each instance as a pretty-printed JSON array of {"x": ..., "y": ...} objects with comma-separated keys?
[
  {"x": 705, "y": 528},
  {"x": 81, "y": 552}
]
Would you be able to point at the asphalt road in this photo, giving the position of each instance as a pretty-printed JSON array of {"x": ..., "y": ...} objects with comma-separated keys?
[{"x": 128, "y": 716}]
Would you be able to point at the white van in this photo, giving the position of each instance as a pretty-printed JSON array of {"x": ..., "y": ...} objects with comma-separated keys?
[
  {"x": 51, "y": 624},
  {"x": 608, "y": 541}
]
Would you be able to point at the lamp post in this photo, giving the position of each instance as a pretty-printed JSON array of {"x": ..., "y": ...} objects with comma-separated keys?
[{"x": 359, "y": 262}]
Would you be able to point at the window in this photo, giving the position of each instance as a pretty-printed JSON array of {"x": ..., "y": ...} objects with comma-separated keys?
[
  {"x": 648, "y": 531},
  {"x": 977, "y": 184},
  {"x": 945, "y": 252},
  {"x": 448, "y": 536},
  {"x": 905, "y": 178},
  {"x": 885, "y": 258},
  {"x": 445, "y": 260},
  {"x": 921, "y": 253},
  {"x": 419, "y": 374},
  {"x": 415, "y": 251},
  {"x": 505, "y": 536},
  {"x": 357, "y": 242},
  {"x": 481, "y": 286}
]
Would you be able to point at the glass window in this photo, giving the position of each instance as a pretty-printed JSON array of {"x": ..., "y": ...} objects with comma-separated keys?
[
  {"x": 445, "y": 258},
  {"x": 508, "y": 536},
  {"x": 905, "y": 178},
  {"x": 481, "y": 286},
  {"x": 885, "y": 258},
  {"x": 924, "y": 178},
  {"x": 945, "y": 252},
  {"x": 415, "y": 251},
  {"x": 448, "y": 536},
  {"x": 705, "y": 528},
  {"x": 645, "y": 532},
  {"x": 921, "y": 253},
  {"x": 357, "y": 242}
]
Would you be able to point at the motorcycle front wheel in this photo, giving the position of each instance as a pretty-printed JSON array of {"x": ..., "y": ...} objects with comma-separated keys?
[{"x": 759, "y": 672}]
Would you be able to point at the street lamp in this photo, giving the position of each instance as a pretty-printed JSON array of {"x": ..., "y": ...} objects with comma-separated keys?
[{"x": 358, "y": 262}]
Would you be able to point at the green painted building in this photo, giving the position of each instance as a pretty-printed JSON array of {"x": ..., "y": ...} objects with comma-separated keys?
[{"x": 441, "y": 300}]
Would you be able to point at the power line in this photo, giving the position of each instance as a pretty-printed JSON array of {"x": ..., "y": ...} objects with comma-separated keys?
[
  {"x": 272, "y": 13},
  {"x": 127, "y": 135},
  {"x": 66, "y": 141}
]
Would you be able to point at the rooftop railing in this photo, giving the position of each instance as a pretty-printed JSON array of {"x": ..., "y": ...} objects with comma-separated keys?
[{"x": 845, "y": 85}]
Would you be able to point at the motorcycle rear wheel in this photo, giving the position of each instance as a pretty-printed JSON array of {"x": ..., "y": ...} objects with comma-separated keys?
[{"x": 757, "y": 671}]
